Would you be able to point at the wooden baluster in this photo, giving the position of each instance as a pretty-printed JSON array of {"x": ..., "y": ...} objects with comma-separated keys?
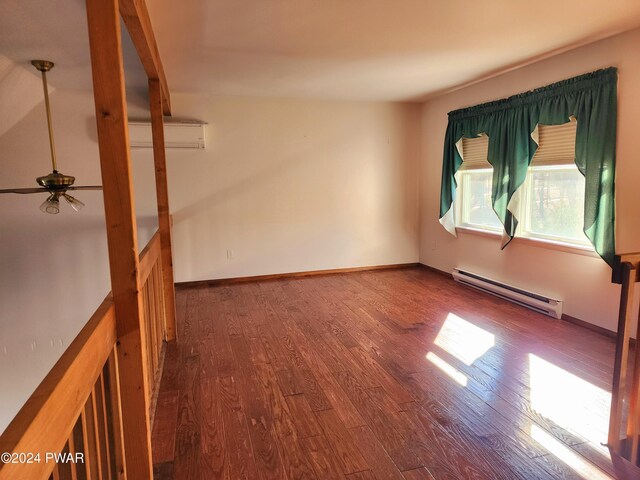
[
  {"x": 156, "y": 309},
  {"x": 100, "y": 428},
  {"x": 63, "y": 469},
  {"x": 145, "y": 320},
  {"x": 159, "y": 308},
  {"x": 162, "y": 329},
  {"x": 152, "y": 325},
  {"x": 163, "y": 306},
  {"x": 621, "y": 358},
  {"x": 78, "y": 470},
  {"x": 89, "y": 440},
  {"x": 149, "y": 332},
  {"x": 114, "y": 418},
  {"x": 98, "y": 439}
]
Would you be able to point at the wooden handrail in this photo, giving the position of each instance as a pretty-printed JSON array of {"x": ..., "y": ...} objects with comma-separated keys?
[
  {"x": 46, "y": 420},
  {"x": 149, "y": 256},
  {"x": 77, "y": 407}
]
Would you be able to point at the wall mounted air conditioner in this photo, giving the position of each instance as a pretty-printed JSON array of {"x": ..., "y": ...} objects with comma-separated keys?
[
  {"x": 189, "y": 135},
  {"x": 539, "y": 303}
]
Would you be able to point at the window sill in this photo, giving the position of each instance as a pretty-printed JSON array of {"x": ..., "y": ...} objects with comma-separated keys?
[{"x": 535, "y": 242}]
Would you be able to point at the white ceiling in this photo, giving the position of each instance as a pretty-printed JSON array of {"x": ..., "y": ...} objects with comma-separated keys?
[
  {"x": 366, "y": 49},
  {"x": 56, "y": 30},
  {"x": 340, "y": 49}
]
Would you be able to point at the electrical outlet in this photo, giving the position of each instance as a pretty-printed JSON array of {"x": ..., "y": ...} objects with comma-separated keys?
[
  {"x": 229, "y": 254},
  {"x": 434, "y": 245}
]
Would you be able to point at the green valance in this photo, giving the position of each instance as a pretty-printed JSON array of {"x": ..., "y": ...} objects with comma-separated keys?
[{"x": 509, "y": 123}]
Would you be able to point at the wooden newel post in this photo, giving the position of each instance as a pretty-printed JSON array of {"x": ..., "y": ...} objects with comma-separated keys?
[
  {"x": 162, "y": 196},
  {"x": 621, "y": 357},
  {"x": 113, "y": 139}
]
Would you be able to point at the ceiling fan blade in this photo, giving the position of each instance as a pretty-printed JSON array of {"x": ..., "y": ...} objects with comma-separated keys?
[
  {"x": 88, "y": 187},
  {"x": 25, "y": 190}
]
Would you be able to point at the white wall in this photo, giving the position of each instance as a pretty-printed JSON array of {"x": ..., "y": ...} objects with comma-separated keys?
[
  {"x": 54, "y": 269},
  {"x": 292, "y": 185},
  {"x": 582, "y": 282},
  {"x": 287, "y": 185}
]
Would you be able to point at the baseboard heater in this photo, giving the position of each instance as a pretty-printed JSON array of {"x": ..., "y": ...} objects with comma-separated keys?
[{"x": 534, "y": 301}]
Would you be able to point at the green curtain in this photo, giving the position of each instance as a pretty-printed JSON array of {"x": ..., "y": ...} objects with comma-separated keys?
[{"x": 509, "y": 123}]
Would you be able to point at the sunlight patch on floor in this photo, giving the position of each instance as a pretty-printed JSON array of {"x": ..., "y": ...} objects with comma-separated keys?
[
  {"x": 464, "y": 340},
  {"x": 574, "y": 460},
  {"x": 451, "y": 371},
  {"x": 569, "y": 401}
]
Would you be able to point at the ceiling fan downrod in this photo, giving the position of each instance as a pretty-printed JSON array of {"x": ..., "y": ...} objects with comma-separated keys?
[{"x": 54, "y": 179}]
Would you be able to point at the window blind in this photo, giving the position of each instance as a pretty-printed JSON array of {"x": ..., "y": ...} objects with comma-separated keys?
[
  {"x": 556, "y": 144},
  {"x": 475, "y": 152}
]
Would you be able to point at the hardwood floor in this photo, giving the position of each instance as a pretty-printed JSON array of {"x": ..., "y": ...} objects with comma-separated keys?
[{"x": 398, "y": 374}]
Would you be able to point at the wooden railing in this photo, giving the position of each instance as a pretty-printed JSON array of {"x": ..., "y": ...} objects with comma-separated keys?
[
  {"x": 154, "y": 309},
  {"x": 76, "y": 410},
  {"x": 625, "y": 448}
]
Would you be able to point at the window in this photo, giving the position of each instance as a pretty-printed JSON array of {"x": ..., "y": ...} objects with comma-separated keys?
[
  {"x": 473, "y": 205},
  {"x": 554, "y": 205},
  {"x": 475, "y": 209},
  {"x": 552, "y": 197}
]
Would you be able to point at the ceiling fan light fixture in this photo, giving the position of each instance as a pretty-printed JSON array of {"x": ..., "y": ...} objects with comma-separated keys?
[
  {"x": 51, "y": 204},
  {"x": 73, "y": 201},
  {"x": 54, "y": 184}
]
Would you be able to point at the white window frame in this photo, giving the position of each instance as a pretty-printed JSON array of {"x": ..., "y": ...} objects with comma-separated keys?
[
  {"x": 524, "y": 226},
  {"x": 460, "y": 203}
]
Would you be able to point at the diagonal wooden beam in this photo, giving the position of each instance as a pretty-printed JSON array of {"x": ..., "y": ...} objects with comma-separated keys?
[{"x": 136, "y": 18}]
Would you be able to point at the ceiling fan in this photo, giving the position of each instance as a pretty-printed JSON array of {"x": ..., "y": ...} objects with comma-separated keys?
[{"x": 55, "y": 184}]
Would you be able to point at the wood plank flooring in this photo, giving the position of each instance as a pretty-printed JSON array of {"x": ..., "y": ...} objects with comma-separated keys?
[{"x": 397, "y": 374}]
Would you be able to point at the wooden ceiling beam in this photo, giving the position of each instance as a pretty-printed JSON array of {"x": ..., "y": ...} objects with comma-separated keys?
[{"x": 136, "y": 18}]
